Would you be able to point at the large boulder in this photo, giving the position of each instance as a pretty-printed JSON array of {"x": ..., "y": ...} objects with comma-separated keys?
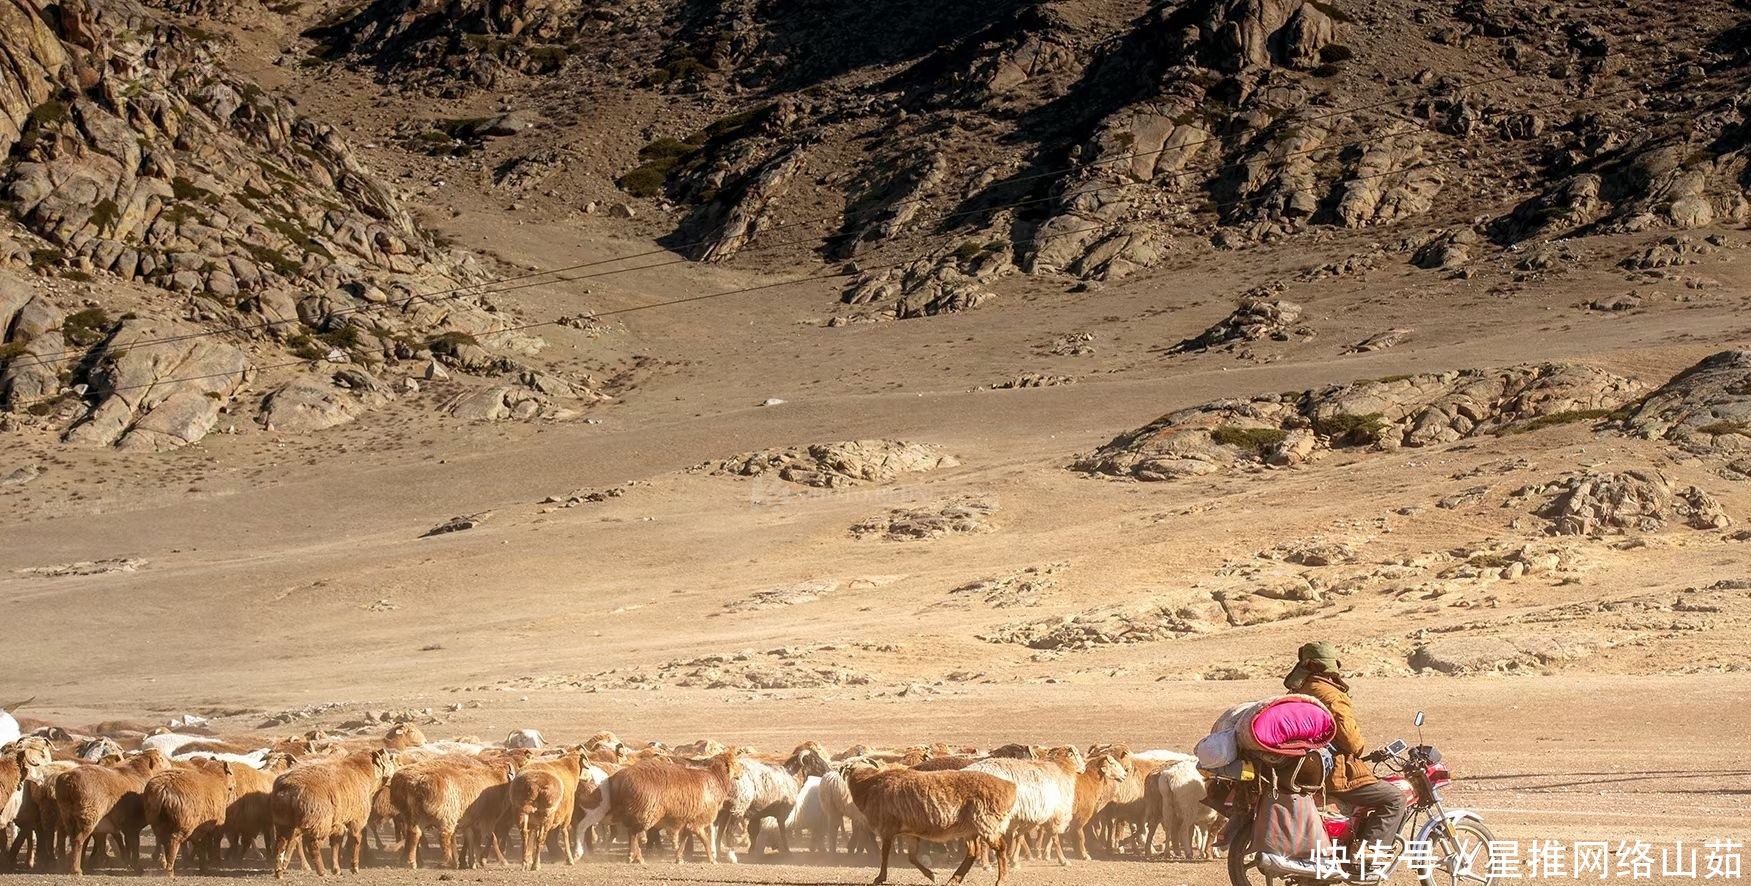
[
  {"x": 832, "y": 465},
  {"x": 1413, "y": 410},
  {"x": 1704, "y": 409},
  {"x": 1601, "y": 502},
  {"x": 158, "y": 395}
]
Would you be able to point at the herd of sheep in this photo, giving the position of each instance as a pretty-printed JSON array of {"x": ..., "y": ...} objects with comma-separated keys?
[{"x": 72, "y": 803}]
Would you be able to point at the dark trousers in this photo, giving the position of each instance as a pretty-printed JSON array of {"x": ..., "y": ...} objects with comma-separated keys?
[{"x": 1387, "y": 803}]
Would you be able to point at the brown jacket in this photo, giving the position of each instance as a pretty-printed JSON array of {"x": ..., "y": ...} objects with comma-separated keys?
[{"x": 1348, "y": 770}]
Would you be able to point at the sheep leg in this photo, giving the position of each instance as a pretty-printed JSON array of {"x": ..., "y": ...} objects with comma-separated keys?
[
  {"x": 531, "y": 845},
  {"x": 997, "y": 846},
  {"x": 412, "y": 845},
  {"x": 282, "y": 846},
  {"x": 1081, "y": 834},
  {"x": 754, "y": 826},
  {"x": 311, "y": 852},
  {"x": 784, "y": 832},
  {"x": 172, "y": 848},
  {"x": 918, "y": 860},
  {"x": 447, "y": 843},
  {"x": 1058, "y": 844},
  {"x": 887, "y": 849},
  {"x": 76, "y": 851},
  {"x": 635, "y": 847},
  {"x": 711, "y": 842},
  {"x": 973, "y": 848}
]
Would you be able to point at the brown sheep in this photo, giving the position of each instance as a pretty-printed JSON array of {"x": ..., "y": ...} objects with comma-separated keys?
[
  {"x": 662, "y": 794},
  {"x": 21, "y": 764},
  {"x": 435, "y": 794},
  {"x": 250, "y": 814},
  {"x": 937, "y": 807},
  {"x": 544, "y": 798},
  {"x": 403, "y": 736},
  {"x": 187, "y": 804},
  {"x": 105, "y": 799},
  {"x": 1094, "y": 790},
  {"x": 39, "y": 818},
  {"x": 329, "y": 800}
]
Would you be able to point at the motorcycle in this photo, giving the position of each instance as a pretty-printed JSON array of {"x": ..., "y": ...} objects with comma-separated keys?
[{"x": 1458, "y": 843}]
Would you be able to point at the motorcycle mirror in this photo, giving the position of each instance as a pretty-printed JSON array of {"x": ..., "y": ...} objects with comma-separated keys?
[{"x": 1419, "y": 720}]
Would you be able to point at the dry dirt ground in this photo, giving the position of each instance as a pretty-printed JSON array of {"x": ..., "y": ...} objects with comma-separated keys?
[{"x": 268, "y": 575}]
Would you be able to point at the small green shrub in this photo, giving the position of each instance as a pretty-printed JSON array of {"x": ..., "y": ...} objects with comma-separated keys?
[
  {"x": 49, "y": 113},
  {"x": 13, "y": 349},
  {"x": 647, "y": 181},
  {"x": 45, "y": 258},
  {"x": 1556, "y": 419},
  {"x": 1251, "y": 439},
  {"x": 1344, "y": 429},
  {"x": 343, "y": 337},
  {"x": 86, "y": 328},
  {"x": 450, "y": 341},
  {"x": 304, "y": 348}
]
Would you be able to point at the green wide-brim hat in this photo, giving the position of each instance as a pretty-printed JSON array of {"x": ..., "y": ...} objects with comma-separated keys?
[{"x": 1318, "y": 652}]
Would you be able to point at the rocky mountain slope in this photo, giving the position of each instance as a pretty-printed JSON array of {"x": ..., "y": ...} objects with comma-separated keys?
[
  {"x": 1096, "y": 138},
  {"x": 190, "y": 231}
]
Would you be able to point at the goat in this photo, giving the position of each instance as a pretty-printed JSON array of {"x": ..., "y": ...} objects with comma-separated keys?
[
  {"x": 188, "y": 804},
  {"x": 939, "y": 807},
  {"x": 660, "y": 793},
  {"x": 1045, "y": 794},
  {"x": 105, "y": 799},
  {"x": 544, "y": 798},
  {"x": 327, "y": 799}
]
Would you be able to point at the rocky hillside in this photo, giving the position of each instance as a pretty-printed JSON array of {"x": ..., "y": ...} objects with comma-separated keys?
[
  {"x": 1096, "y": 138},
  {"x": 176, "y": 229}
]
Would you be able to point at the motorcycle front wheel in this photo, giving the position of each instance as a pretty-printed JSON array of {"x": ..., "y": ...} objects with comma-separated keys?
[{"x": 1462, "y": 856}]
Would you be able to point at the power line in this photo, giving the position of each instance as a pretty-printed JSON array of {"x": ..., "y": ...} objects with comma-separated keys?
[{"x": 484, "y": 288}]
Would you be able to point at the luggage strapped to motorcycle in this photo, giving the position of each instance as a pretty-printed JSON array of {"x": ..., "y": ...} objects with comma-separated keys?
[{"x": 1272, "y": 777}]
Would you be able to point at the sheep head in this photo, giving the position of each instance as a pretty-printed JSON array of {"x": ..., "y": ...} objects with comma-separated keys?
[{"x": 1108, "y": 768}]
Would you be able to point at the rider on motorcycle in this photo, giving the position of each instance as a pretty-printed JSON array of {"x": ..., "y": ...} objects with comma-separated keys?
[{"x": 1352, "y": 779}]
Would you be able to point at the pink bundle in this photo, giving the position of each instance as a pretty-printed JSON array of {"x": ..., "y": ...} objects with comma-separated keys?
[{"x": 1290, "y": 726}]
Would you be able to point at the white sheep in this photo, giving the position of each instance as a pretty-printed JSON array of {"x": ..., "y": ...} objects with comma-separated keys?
[
  {"x": 834, "y": 795},
  {"x": 525, "y": 738},
  {"x": 764, "y": 790},
  {"x": 1189, "y": 826},
  {"x": 1045, "y": 795}
]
